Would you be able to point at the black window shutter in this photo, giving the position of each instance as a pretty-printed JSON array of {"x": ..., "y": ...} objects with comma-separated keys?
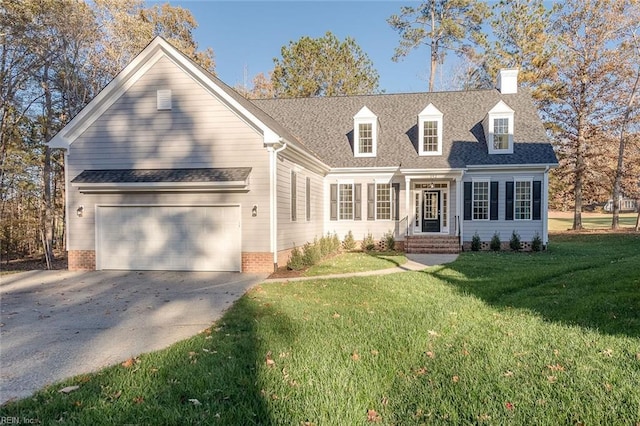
[
  {"x": 371, "y": 201},
  {"x": 537, "y": 200},
  {"x": 467, "y": 201},
  {"x": 334, "y": 202},
  {"x": 395, "y": 198},
  {"x": 493, "y": 206},
  {"x": 508, "y": 207},
  {"x": 357, "y": 206}
]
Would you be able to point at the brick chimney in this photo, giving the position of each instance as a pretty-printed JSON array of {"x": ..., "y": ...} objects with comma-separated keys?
[{"x": 507, "y": 81}]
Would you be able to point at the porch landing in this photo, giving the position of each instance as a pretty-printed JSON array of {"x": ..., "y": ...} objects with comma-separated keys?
[{"x": 441, "y": 244}]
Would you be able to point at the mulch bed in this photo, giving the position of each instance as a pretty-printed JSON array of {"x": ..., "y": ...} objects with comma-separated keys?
[{"x": 283, "y": 272}]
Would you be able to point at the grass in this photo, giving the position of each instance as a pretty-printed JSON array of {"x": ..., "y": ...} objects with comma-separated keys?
[
  {"x": 493, "y": 338},
  {"x": 356, "y": 262},
  {"x": 594, "y": 221}
]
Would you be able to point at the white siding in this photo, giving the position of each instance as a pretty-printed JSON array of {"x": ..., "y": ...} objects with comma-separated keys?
[
  {"x": 301, "y": 231},
  {"x": 363, "y": 227},
  {"x": 486, "y": 228},
  {"x": 199, "y": 131}
]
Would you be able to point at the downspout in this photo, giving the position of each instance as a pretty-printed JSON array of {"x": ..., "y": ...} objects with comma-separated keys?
[
  {"x": 273, "y": 211},
  {"x": 545, "y": 208}
]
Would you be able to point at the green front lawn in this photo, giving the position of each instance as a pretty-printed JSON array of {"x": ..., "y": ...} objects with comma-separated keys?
[
  {"x": 593, "y": 221},
  {"x": 493, "y": 338},
  {"x": 356, "y": 262}
]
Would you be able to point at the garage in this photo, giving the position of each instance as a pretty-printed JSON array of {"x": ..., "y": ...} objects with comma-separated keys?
[{"x": 164, "y": 238}]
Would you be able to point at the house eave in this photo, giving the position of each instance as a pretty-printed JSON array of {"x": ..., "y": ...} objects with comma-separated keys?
[
  {"x": 511, "y": 167},
  {"x": 229, "y": 186}
]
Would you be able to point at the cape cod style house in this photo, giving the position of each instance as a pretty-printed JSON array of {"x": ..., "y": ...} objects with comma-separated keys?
[{"x": 168, "y": 168}]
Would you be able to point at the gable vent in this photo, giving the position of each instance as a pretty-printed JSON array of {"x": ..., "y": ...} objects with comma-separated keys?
[{"x": 164, "y": 100}]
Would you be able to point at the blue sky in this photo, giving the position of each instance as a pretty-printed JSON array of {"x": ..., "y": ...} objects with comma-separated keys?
[{"x": 249, "y": 34}]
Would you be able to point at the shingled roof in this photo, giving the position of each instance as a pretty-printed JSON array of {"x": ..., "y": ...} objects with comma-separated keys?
[
  {"x": 238, "y": 174},
  {"x": 325, "y": 127}
]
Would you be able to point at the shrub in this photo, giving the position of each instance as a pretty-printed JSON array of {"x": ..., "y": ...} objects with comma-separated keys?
[
  {"x": 495, "y": 243},
  {"x": 514, "y": 242},
  {"x": 349, "y": 242},
  {"x": 326, "y": 246},
  {"x": 335, "y": 242},
  {"x": 390, "y": 240},
  {"x": 368, "y": 242},
  {"x": 311, "y": 253},
  {"x": 295, "y": 262},
  {"x": 536, "y": 243},
  {"x": 475, "y": 242}
]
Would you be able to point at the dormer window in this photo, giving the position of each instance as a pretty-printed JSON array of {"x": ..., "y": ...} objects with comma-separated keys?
[
  {"x": 430, "y": 131},
  {"x": 498, "y": 127},
  {"x": 365, "y": 133}
]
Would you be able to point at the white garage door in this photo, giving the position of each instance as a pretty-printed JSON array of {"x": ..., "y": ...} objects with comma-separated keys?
[{"x": 169, "y": 238}]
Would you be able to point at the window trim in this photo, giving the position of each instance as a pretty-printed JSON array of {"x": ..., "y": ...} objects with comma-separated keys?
[
  {"x": 430, "y": 113},
  {"x": 365, "y": 116},
  {"x": 307, "y": 201},
  {"x": 500, "y": 111},
  {"x": 293, "y": 196},
  {"x": 339, "y": 202},
  {"x": 487, "y": 201},
  {"x": 375, "y": 189},
  {"x": 515, "y": 198}
]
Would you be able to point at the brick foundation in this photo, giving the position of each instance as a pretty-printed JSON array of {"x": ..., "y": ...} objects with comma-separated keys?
[
  {"x": 82, "y": 260},
  {"x": 257, "y": 262}
]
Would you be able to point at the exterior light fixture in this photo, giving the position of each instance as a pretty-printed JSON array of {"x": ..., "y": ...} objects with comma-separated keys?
[
  {"x": 254, "y": 211},
  {"x": 80, "y": 211}
]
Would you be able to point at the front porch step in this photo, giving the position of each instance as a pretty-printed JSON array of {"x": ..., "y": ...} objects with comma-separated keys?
[{"x": 436, "y": 244}]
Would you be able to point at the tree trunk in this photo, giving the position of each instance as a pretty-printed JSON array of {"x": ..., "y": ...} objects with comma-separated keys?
[
  {"x": 47, "y": 225},
  {"x": 579, "y": 174},
  {"x": 434, "y": 49},
  {"x": 615, "y": 221}
]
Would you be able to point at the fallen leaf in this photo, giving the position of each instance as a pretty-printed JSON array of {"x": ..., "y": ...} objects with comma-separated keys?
[
  {"x": 355, "y": 356},
  {"x": 130, "y": 362},
  {"x": 430, "y": 354},
  {"x": 455, "y": 379},
  {"x": 638, "y": 358},
  {"x": 373, "y": 416},
  {"x": 195, "y": 401},
  {"x": 421, "y": 371},
  {"x": 508, "y": 406},
  {"x": 269, "y": 361},
  {"x": 69, "y": 389},
  {"x": 433, "y": 333},
  {"x": 336, "y": 315},
  {"x": 552, "y": 379},
  {"x": 385, "y": 401},
  {"x": 138, "y": 399},
  {"x": 374, "y": 352},
  {"x": 556, "y": 367},
  {"x": 465, "y": 352},
  {"x": 607, "y": 353},
  {"x": 508, "y": 373},
  {"x": 608, "y": 387}
]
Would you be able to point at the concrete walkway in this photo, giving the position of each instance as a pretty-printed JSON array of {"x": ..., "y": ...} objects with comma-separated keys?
[{"x": 415, "y": 262}]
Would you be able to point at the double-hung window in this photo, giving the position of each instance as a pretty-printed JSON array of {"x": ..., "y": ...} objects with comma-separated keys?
[
  {"x": 345, "y": 201},
  {"x": 499, "y": 126},
  {"x": 430, "y": 131},
  {"x": 383, "y": 201},
  {"x": 522, "y": 200},
  {"x": 294, "y": 196},
  {"x": 365, "y": 133},
  {"x": 500, "y": 134},
  {"x": 480, "y": 200}
]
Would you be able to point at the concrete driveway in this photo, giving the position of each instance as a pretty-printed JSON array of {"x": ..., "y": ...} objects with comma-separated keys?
[{"x": 57, "y": 324}]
